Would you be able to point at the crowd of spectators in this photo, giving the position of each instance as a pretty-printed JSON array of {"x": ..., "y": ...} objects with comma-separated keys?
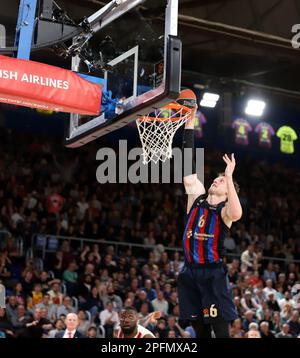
[{"x": 48, "y": 190}]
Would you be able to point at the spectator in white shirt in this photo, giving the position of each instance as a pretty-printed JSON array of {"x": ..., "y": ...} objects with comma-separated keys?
[
  {"x": 249, "y": 259},
  {"x": 160, "y": 304},
  {"x": 287, "y": 299},
  {"x": 109, "y": 319},
  {"x": 269, "y": 289},
  {"x": 248, "y": 303}
]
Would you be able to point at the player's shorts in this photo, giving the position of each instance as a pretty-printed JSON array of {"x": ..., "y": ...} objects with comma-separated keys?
[{"x": 204, "y": 294}]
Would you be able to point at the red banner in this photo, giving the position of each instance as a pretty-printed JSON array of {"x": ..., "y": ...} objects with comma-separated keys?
[{"x": 37, "y": 85}]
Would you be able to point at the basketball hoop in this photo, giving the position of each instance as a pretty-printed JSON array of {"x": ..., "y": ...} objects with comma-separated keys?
[{"x": 157, "y": 129}]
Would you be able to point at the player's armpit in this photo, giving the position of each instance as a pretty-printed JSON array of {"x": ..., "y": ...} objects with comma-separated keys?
[{"x": 227, "y": 218}]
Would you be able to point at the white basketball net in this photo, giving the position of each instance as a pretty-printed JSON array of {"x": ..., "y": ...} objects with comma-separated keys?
[{"x": 157, "y": 131}]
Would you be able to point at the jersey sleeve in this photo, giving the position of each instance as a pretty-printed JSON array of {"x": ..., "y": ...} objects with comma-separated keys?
[{"x": 294, "y": 135}]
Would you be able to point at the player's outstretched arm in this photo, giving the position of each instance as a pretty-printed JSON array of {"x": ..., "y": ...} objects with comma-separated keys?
[
  {"x": 192, "y": 184},
  {"x": 232, "y": 211}
]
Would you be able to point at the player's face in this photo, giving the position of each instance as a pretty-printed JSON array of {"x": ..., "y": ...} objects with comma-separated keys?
[
  {"x": 219, "y": 186},
  {"x": 128, "y": 321}
]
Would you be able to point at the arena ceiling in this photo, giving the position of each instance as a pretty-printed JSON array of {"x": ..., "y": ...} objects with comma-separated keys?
[{"x": 239, "y": 41}]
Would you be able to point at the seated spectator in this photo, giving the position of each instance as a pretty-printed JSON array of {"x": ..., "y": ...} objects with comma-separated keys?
[
  {"x": 284, "y": 333},
  {"x": 249, "y": 318},
  {"x": 281, "y": 282},
  {"x": 51, "y": 308},
  {"x": 258, "y": 298},
  {"x": 269, "y": 288},
  {"x": 142, "y": 298},
  {"x": 45, "y": 281},
  {"x": 151, "y": 293},
  {"x": 287, "y": 300},
  {"x": 173, "y": 326},
  {"x": 59, "y": 327},
  {"x": 84, "y": 288},
  {"x": 66, "y": 307},
  {"x": 286, "y": 312},
  {"x": 93, "y": 303},
  {"x": 265, "y": 331},
  {"x": 12, "y": 308},
  {"x": 247, "y": 302},
  {"x": 161, "y": 329},
  {"x": 22, "y": 317},
  {"x": 37, "y": 294},
  {"x": 18, "y": 292},
  {"x": 238, "y": 306},
  {"x": 171, "y": 334},
  {"x": 110, "y": 296},
  {"x": 272, "y": 302},
  {"x": 71, "y": 323},
  {"x": 277, "y": 322},
  {"x": 160, "y": 304},
  {"x": 83, "y": 323},
  {"x": 248, "y": 259},
  {"x": 253, "y": 331},
  {"x": 92, "y": 332},
  {"x": 294, "y": 324},
  {"x": 143, "y": 315},
  {"x": 172, "y": 302},
  {"x": 236, "y": 330},
  {"x": 109, "y": 319},
  {"x": 70, "y": 278},
  {"x": 6, "y": 328},
  {"x": 255, "y": 280},
  {"x": 269, "y": 273},
  {"x": 36, "y": 326},
  {"x": 232, "y": 274},
  {"x": 268, "y": 317},
  {"x": 56, "y": 297}
]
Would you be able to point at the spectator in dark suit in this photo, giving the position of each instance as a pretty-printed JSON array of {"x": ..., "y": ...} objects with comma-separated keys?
[
  {"x": 36, "y": 326},
  {"x": 71, "y": 323}
]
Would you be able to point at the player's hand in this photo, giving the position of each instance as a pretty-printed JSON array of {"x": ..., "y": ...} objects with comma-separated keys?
[
  {"x": 155, "y": 316},
  {"x": 230, "y": 165}
]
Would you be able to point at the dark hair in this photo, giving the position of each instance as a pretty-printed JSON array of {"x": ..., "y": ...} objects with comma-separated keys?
[{"x": 236, "y": 185}]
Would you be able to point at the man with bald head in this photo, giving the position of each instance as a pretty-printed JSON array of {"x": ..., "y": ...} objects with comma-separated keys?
[{"x": 71, "y": 323}]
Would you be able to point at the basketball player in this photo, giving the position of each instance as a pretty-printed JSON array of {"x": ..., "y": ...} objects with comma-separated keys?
[
  {"x": 129, "y": 327},
  {"x": 204, "y": 296}
]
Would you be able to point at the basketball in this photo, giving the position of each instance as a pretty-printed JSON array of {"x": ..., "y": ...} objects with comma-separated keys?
[{"x": 187, "y": 98}]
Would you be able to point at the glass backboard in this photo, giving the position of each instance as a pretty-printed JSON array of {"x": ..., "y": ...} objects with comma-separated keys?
[{"x": 139, "y": 67}]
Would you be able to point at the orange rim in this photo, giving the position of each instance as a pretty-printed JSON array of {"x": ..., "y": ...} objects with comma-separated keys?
[{"x": 173, "y": 105}]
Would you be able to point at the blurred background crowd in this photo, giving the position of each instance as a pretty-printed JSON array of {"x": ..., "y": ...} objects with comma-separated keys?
[{"x": 127, "y": 251}]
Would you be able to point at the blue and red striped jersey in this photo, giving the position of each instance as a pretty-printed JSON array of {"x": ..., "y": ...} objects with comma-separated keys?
[{"x": 203, "y": 238}]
